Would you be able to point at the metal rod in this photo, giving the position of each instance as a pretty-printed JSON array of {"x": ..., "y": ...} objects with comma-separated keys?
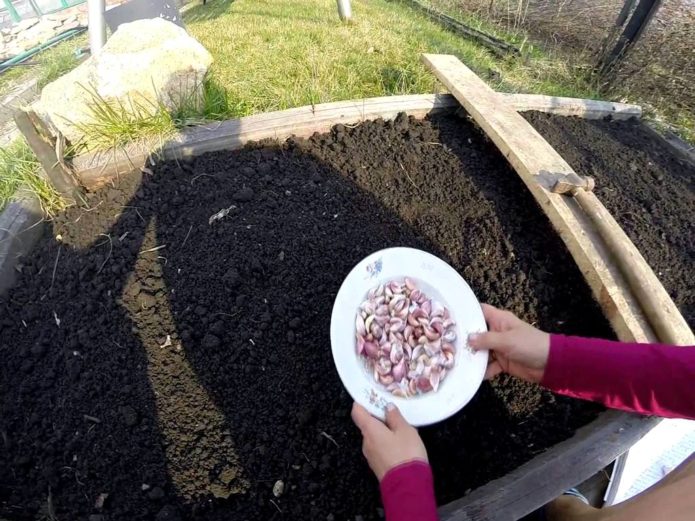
[
  {"x": 97, "y": 24},
  {"x": 344, "y": 10}
]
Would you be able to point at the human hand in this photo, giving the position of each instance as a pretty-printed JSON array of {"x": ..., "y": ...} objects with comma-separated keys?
[
  {"x": 387, "y": 445},
  {"x": 515, "y": 347}
]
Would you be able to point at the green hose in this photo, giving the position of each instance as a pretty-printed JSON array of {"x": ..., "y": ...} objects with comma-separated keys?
[{"x": 31, "y": 52}]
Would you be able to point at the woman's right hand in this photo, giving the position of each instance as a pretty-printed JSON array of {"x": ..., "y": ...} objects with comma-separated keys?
[{"x": 515, "y": 347}]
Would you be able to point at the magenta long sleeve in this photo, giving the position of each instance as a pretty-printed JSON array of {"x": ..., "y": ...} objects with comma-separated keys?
[
  {"x": 646, "y": 378},
  {"x": 407, "y": 492}
]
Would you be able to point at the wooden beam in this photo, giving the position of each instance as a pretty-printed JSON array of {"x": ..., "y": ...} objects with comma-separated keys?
[
  {"x": 583, "y": 108},
  {"x": 533, "y": 159},
  {"x": 546, "y": 476},
  {"x": 96, "y": 169}
]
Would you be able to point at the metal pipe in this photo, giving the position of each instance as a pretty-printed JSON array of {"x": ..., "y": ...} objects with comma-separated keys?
[
  {"x": 344, "y": 10},
  {"x": 97, "y": 24}
]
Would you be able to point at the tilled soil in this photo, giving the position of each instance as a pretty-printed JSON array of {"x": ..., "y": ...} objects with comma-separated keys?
[
  {"x": 157, "y": 364},
  {"x": 649, "y": 191}
]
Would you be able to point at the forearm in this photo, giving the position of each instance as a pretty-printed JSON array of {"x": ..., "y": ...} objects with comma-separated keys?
[
  {"x": 645, "y": 378},
  {"x": 407, "y": 492}
]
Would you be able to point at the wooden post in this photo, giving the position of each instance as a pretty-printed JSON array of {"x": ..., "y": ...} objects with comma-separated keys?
[
  {"x": 642, "y": 15},
  {"x": 42, "y": 144}
]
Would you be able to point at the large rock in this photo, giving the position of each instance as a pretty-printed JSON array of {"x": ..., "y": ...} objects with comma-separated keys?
[{"x": 144, "y": 64}]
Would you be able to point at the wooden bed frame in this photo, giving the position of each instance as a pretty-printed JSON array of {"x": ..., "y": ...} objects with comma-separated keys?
[{"x": 560, "y": 467}]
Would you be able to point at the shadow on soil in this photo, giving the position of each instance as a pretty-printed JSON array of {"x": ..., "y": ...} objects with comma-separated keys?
[{"x": 176, "y": 366}]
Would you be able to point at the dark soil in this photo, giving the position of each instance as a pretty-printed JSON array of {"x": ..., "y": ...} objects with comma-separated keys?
[
  {"x": 649, "y": 190},
  {"x": 185, "y": 381}
]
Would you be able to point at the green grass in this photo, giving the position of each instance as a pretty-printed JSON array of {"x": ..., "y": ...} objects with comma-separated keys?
[
  {"x": 49, "y": 64},
  {"x": 20, "y": 177},
  {"x": 276, "y": 54}
]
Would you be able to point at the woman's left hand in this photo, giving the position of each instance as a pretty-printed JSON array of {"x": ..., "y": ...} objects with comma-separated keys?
[{"x": 387, "y": 445}]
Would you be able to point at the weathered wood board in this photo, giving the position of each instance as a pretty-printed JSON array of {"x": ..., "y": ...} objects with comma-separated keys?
[
  {"x": 94, "y": 170},
  {"x": 533, "y": 158}
]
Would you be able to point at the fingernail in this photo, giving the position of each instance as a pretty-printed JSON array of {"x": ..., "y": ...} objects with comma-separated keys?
[
  {"x": 473, "y": 338},
  {"x": 390, "y": 406}
]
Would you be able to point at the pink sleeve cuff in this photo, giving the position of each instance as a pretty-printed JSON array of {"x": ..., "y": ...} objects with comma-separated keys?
[{"x": 407, "y": 492}]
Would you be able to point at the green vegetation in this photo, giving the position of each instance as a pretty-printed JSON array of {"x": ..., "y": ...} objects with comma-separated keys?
[
  {"x": 20, "y": 177},
  {"x": 45, "y": 66},
  {"x": 276, "y": 54}
]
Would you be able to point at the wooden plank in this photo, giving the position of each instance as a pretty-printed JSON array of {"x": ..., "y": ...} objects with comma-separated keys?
[
  {"x": 58, "y": 175},
  {"x": 532, "y": 157},
  {"x": 583, "y": 108},
  {"x": 546, "y": 476},
  {"x": 97, "y": 169}
]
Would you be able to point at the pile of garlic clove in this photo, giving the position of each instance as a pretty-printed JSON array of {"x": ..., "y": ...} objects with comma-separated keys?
[{"x": 406, "y": 338}]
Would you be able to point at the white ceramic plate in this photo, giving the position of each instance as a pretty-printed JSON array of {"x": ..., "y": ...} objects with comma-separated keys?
[{"x": 440, "y": 282}]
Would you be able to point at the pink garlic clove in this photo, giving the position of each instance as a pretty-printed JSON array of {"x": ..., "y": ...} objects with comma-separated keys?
[
  {"x": 408, "y": 350},
  {"x": 449, "y": 336},
  {"x": 399, "y": 392},
  {"x": 382, "y": 320},
  {"x": 412, "y": 320},
  {"x": 360, "y": 326},
  {"x": 386, "y": 379},
  {"x": 422, "y": 299},
  {"x": 392, "y": 387},
  {"x": 412, "y": 341},
  {"x": 378, "y": 301},
  {"x": 427, "y": 307},
  {"x": 418, "y": 352},
  {"x": 399, "y": 336},
  {"x": 431, "y": 334},
  {"x": 383, "y": 366},
  {"x": 396, "y": 354},
  {"x": 415, "y": 295},
  {"x": 382, "y": 310},
  {"x": 412, "y": 387},
  {"x": 371, "y": 350},
  {"x": 424, "y": 384},
  {"x": 360, "y": 345},
  {"x": 448, "y": 323},
  {"x": 388, "y": 293},
  {"x": 386, "y": 347},
  {"x": 409, "y": 284},
  {"x": 377, "y": 331},
  {"x": 449, "y": 359},
  {"x": 368, "y": 322},
  {"x": 379, "y": 292},
  {"x": 398, "y": 371},
  {"x": 446, "y": 346},
  {"x": 408, "y": 331},
  {"x": 422, "y": 340},
  {"x": 368, "y": 307},
  {"x": 437, "y": 324},
  {"x": 397, "y": 325}
]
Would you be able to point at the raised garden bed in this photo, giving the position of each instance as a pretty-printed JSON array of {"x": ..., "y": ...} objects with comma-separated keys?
[{"x": 96, "y": 400}]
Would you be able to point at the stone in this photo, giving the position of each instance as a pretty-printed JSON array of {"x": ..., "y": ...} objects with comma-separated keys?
[
  {"x": 156, "y": 493},
  {"x": 243, "y": 195},
  {"x": 146, "y": 64},
  {"x": 168, "y": 513}
]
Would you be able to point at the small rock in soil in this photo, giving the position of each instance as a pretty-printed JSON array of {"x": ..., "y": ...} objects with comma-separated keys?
[
  {"x": 278, "y": 488},
  {"x": 243, "y": 195},
  {"x": 146, "y": 301},
  {"x": 156, "y": 493},
  {"x": 168, "y": 513},
  {"x": 129, "y": 415},
  {"x": 210, "y": 341}
]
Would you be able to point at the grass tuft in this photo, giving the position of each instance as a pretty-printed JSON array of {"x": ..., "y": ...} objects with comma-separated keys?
[{"x": 20, "y": 176}]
